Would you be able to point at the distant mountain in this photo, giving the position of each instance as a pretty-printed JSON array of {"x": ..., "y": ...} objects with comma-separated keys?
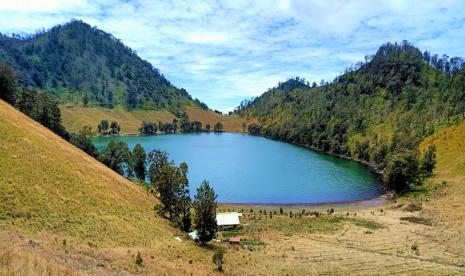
[
  {"x": 377, "y": 112},
  {"x": 84, "y": 65}
]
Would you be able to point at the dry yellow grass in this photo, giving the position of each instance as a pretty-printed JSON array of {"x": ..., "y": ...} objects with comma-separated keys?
[
  {"x": 49, "y": 188},
  {"x": 233, "y": 123},
  {"x": 62, "y": 212},
  {"x": 75, "y": 118}
]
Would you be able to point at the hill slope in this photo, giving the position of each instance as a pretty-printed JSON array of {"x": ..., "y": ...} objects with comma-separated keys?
[
  {"x": 84, "y": 65},
  {"x": 75, "y": 118},
  {"x": 59, "y": 188},
  {"x": 377, "y": 112},
  {"x": 51, "y": 191}
]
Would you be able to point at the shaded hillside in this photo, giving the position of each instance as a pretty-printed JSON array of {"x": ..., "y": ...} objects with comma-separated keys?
[
  {"x": 377, "y": 112},
  {"x": 83, "y": 65}
]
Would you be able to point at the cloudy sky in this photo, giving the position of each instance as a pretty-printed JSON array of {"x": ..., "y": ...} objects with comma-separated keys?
[{"x": 225, "y": 51}]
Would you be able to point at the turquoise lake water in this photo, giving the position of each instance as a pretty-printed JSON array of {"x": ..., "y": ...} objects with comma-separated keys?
[{"x": 251, "y": 169}]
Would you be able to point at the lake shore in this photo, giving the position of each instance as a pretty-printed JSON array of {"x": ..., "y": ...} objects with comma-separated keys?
[{"x": 337, "y": 206}]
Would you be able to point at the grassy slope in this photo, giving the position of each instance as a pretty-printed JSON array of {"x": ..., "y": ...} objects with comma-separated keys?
[
  {"x": 74, "y": 118},
  {"x": 48, "y": 187},
  {"x": 448, "y": 200}
]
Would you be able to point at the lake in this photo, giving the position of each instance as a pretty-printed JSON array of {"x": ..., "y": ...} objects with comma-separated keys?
[{"x": 251, "y": 169}]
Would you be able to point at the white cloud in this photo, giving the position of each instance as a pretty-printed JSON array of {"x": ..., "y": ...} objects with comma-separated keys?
[
  {"x": 208, "y": 38},
  {"x": 225, "y": 51}
]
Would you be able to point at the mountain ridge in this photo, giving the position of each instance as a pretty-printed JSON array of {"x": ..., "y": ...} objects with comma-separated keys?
[{"x": 84, "y": 65}]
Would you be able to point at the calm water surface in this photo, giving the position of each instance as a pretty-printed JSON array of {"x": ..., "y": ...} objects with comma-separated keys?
[{"x": 250, "y": 169}]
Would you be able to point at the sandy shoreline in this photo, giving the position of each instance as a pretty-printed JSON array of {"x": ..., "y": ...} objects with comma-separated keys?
[{"x": 337, "y": 206}]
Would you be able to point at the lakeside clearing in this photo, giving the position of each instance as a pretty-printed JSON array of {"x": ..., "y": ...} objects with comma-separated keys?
[{"x": 76, "y": 117}]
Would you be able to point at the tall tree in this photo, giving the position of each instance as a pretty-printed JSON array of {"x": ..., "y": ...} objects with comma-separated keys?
[
  {"x": 103, "y": 127},
  {"x": 139, "y": 160},
  {"x": 115, "y": 128},
  {"x": 401, "y": 170},
  {"x": 205, "y": 212},
  {"x": 7, "y": 84},
  {"x": 117, "y": 157},
  {"x": 157, "y": 160},
  {"x": 184, "y": 200},
  {"x": 218, "y": 127}
]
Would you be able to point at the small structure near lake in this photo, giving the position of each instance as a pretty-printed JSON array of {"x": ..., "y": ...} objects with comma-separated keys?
[
  {"x": 235, "y": 240},
  {"x": 228, "y": 220}
]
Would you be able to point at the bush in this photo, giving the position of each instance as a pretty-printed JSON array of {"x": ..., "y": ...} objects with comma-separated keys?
[
  {"x": 139, "y": 259},
  {"x": 218, "y": 259}
]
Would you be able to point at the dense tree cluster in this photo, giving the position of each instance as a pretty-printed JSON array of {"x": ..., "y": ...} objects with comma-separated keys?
[
  {"x": 378, "y": 111},
  {"x": 117, "y": 157},
  {"x": 82, "y": 141},
  {"x": 7, "y": 84},
  {"x": 218, "y": 127},
  {"x": 41, "y": 107},
  {"x": 148, "y": 128},
  {"x": 184, "y": 125},
  {"x": 190, "y": 126},
  {"x": 106, "y": 128},
  {"x": 84, "y": 65},
  {"x": 254, "y": 129}
]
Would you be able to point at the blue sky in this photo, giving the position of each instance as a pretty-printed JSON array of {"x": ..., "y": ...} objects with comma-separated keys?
[{"x": 225, "y": 51}]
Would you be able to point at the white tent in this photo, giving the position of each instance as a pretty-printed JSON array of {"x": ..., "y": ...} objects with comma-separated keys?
[
  {"x": 228, "y": 219},
  {"x": 193, "y": 235}
]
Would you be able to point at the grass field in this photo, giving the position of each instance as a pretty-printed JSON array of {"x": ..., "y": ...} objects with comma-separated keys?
[
  {"x": 75, "y": 118},
  {"x": 62, "y": 212}
]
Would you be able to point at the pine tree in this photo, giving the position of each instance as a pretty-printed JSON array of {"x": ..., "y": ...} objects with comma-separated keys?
[
  {"x": 139, "y": 160},
  {"x": 205, "y": 212}
]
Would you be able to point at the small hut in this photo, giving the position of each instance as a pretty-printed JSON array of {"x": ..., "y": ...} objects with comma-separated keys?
[{"x": 228, "y": 220}]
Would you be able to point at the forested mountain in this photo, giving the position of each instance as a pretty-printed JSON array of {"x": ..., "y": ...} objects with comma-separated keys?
[
  {"x": 81, "y": 64},
  {"x": 376, "y": 112}
]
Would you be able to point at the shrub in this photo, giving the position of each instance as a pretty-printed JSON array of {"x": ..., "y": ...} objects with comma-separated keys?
[
  {"x": 218, "y": 258},
  {"x": 139, "y": 259}
]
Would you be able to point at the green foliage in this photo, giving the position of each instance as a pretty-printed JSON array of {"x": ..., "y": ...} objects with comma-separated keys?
[
  {"x": 190, "y": 126},
  {"x": 148, "y": 128},
  {"x": 139, "y": 259},
  {"x": 82, "y": 140},
  {"x": 7, "y": 84},
  {"x": 43, "y": 108},
  {"x": 157, "y": 160},
  {"x": 401, "y": 170},
  {"x": 117, "y": 157},
  {"x": 218, "y": 127},
  {"x": 85, "y": 65},
  {"x": 172, "y": 185},
  {"x": 254, "y": 129},
  {"x": 205, "y": 212},
  {"x": 428, "y": 162},
  {"x": 218, "y": 258},
  {"x": 377, "y": 111},
  {"x": 114, "y": 128},
  {"x": 103, "y": 127},
  {"x": 139, "y": 160}
]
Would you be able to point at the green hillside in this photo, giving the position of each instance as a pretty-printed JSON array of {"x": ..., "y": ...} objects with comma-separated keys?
[
  {"x": 83, "y": 65},
  {"x": 377, "y": 112}
]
